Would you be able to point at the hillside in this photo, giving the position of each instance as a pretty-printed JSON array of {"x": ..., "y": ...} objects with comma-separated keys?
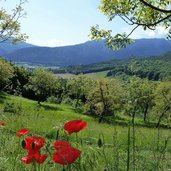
[
  {"x": 87, "y": 53},
  {"x": 153, "y": 68},
  {"x": 46, "y": 119},
  {"x": 8, "y": 47}
]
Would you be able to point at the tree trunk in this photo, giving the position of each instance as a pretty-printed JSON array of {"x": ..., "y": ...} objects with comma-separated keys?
[
  {"x": 145, "y": 112},
  {"x": 162, "y": 115}
]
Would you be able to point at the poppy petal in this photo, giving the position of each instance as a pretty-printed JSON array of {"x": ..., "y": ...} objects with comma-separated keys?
[
  {"x": 40, "y": 158},
  {"x": 59, "y": 144},
  {"x": 28, "y": 159},
  {"x": 75, "y": 126},
  {"x": 66, "y": 156},
  {"x": 2, "y": 124},
  {"x": 36, "y": 140},
  {"x": 23, "y": 131}
]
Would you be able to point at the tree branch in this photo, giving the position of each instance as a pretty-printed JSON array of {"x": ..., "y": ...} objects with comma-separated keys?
[
  {"x": 132, "y": 31},
  {"x": 155, "y": 8}
]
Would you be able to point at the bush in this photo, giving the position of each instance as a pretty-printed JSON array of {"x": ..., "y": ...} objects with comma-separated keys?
[{"x": 53, "y": 99}]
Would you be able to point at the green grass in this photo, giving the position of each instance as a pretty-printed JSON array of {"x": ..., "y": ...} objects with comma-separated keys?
[
  {"x": 152, "y": 146},
  {"x": 101, "y": 74},
  {"x": 65, "y": 76}
]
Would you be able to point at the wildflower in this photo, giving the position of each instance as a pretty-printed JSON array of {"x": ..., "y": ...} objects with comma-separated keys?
[
  {"x": 2, "y": 124},
  {"x": 33, "y": 145},
  {"x": 65, "y": 154},
  {"x": 21, "y": 132},
  {"x": 75, "y": 126}
]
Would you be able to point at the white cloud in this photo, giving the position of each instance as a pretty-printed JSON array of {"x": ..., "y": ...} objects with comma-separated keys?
[
  {"x": 49, "y": 43},
  {"x": 159, "y": 32}
]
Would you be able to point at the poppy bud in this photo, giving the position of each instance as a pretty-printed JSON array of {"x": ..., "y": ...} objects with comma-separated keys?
[
  {"x": 57, "y": 134},
  {"x": 23, "y": 144},
  {"x": 33, "y": 145},
  {"x": 100, "y": 143}
]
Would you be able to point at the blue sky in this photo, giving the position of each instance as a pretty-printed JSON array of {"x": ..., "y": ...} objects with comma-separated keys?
[{"x": 66, "y": 22}]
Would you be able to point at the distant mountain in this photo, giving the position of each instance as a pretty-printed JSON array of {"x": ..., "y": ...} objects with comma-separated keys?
[
  {"x": 89, "y": 52},
  {"x": 8, "y": 47}
]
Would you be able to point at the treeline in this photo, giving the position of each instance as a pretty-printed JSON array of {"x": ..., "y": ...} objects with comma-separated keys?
[
  {"x": 106, "y": 98},
  {"x": 152, "y": 68},
  {"x": 84, "y": 69}
]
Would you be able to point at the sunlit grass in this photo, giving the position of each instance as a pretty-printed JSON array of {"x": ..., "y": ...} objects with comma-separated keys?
[{"x": 44, "y": 120}]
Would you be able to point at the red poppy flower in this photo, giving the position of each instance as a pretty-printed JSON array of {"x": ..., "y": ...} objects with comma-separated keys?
[
  {"x": 65, "y": 154},
  {"x": 34, "y": 143},
  {"x": 21, "y": 132},
  {"x": 75, "y": 126},
  {"x": 2, "y": 124}
]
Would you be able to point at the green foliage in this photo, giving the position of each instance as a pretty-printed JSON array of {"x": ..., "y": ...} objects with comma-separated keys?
[
  {"x": 116, "y": 42},
  {"x": 104, "y": 98},
  {"x": 6, "y": 72},
  {"x": 140, "y": 97},
  {"x": 18, "y": 81},
  {"x": 9, "y": 23},
  {"x": 137, "y": 13},
  {"x": 109, "y": 99},
  {"x": 42, "y": 83},
  {"x": 152, "y": 68},
  {"x": 78, "y": 88},
  {"x": 162, "y": 106}
]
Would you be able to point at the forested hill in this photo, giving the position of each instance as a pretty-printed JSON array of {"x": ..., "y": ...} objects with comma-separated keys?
[
  {"x": 88, "y": 53},
  {"x": 153, "y": 68}
]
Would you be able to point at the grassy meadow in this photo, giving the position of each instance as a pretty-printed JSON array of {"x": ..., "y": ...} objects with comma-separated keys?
[{"x": 104, "y": 146}]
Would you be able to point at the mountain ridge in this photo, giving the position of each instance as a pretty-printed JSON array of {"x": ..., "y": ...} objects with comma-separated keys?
[
  {"x": 88, "y": 52},
  {"x": 8, "y": 47}
]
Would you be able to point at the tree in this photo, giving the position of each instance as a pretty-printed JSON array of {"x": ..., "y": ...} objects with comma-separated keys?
[
  {"x": 140, "y": 97},
  {"x": 104, "y": 98},
  {"x": 9, "y": 23},
  {"x": 78, "y": 88},
  {"x": 42, "y": 83},
  {"x": 162, "y": 106},
  {"x": 147, "y": 14},
  {"x": 19, "y": 80},
  {"x": 6, "y": 72}
]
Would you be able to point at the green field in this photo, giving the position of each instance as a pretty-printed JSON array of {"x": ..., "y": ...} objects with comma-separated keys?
[
  {"x": 101, "y": 74},
  {"x": 144, "y": 148}
]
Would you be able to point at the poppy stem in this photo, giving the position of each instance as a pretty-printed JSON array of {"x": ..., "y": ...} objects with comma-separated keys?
[
  {"x": 76, "y": 138},
  {"x": 34, "y": 166},
  {"x": 63, "y": 168},
  {"x": 39, "y": 167},
  {"x": 57, "y": 134},
  {"x": 19, "y": 144},
  {"x": 47, "y": 149}
]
